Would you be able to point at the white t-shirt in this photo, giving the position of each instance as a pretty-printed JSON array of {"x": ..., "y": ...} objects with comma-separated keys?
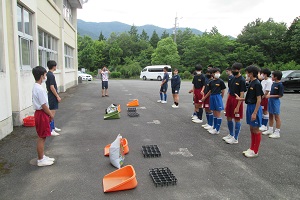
[
  {"x": 39, "y": 97},
  {"x": 104, "y": 75},
  {"x": 266, "y": 85}
]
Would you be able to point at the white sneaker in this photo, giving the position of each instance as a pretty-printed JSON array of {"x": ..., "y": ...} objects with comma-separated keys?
[
  {"x": 263, "y": 128},
  {"x": 53, "y": 133},
  {"x": 158, "y": 101},
  {"x": 214, "y": 131},
  {"x": 163, "y": 101},
  {"x": 248, "y": 150},
  {"x": 48, "y": 158},
  {"x": 250, "y": 154},
  {"x": 195, "y": 117},
  {"x": 204, "y": 125},
  {"x": 267, "y": 132},
  {"x": 174, "y": 106},
  {"x": 198, "y": 121},
  {"x": 208, "y": 127},
  {"x": 57, "y": 129},
  {"x": 44, "y": 162},
  {"x": 275, "y": 135},
  {"x": 227, "y": 137},
  {"x": 232, "y": 140}
]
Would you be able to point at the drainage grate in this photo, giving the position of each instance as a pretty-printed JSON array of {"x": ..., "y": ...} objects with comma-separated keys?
[
  {"x": 151, "y": 151},
  {"x": 131, "y": 112},
  {"x": 162, "y": 176}
]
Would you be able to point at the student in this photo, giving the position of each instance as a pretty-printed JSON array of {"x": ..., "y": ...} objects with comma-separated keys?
[
  {"x": 234, "y": 108},
  {"x": 198, "y": 89},
  {"x": 164, "y": 87},
  {"x": 230, "y": 76},
  {"x": 216, "y": 93},
  {"x": 53, "y": 96},
  {"x": 274, "y": 105},
  {"x": 175, "y": 85},
  {"x": 254, "y": 111},
  {"x": 208, "y": 112},
  {"x": 266, "y": 84},
  {"x": 104, "y": 73},
  {"x": 42, "y": 115}
]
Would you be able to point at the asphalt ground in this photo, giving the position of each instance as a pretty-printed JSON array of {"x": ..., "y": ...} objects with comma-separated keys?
[{"x": 211, "y": 169}]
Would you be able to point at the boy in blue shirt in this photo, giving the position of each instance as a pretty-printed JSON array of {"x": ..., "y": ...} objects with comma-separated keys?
[
  {"x": 175, "y": 85},
  {"x": 254, "y": 110},
  {"x": 164, "y": 87},
  {"x": 274, "y": 105},
  {"x": 216, "y": 93}
]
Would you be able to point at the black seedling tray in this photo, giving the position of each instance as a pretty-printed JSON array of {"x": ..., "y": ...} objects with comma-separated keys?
[
  {"x": 151, "y": 151},
  {"x": 131, "y": 112},
  {"x": 162, "y": 176},
  {"x": 131, "y": 109}
]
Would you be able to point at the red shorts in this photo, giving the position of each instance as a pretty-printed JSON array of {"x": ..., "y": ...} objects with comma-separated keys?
[
  {"x": 198, "y": 96},
  {"x": 42, "y": 124},
  {"x": 231, "y": 105},
  {"x": 264, "y": 104},
  {"x": 206, "y": 102}
]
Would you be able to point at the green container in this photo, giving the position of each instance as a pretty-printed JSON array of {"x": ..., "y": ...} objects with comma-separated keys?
[{"x": 113, "y": 115}]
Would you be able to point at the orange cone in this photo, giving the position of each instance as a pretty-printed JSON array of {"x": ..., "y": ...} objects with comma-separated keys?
[
  {"x": 133, "y": 103},
  {"x": 124, "y": 143},
  {"x": 120, "y": 179}
]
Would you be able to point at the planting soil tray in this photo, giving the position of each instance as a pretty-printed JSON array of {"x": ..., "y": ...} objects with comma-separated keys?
[
  {"x": 162, "y": 176},
  {"x": 151, "y": 151}
]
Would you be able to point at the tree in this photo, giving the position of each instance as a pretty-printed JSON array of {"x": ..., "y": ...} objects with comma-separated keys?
[
  {"x": 115, "y": 54},
  {"x": 166, "y": 53},
  {"x": 86, "y": 53},
  {"x": 134, "y": 33},
  {"x": 144, "y": 36},
  {"x": 292, "y": 39},
  {"x": 101, "y": 55},
  {"x": 154, "y": 39},
  {"x": 164, "y": 35},
  {"x": 101, "y": 37}
]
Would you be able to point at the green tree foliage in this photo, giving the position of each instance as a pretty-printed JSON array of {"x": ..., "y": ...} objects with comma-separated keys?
[
  {"x": 166, "y": 53},
  {"x": 292, "y": 40},
  {"x": 144, "y": 36},
  {"x": 101, "y": 37},
  {"x": 86, "y": 53},
  {"x": 154, "y": 39},
  {"x": 134, "y": 33},
  {"x": 115, "y": 54},
  {"x": 164, "y": 35}
]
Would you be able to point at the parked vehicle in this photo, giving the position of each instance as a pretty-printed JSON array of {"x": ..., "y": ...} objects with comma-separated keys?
[
  {"x": 84, "y": 76},
  {"x": 155, "y": 72},
  {"x": 291, "y": 80}
]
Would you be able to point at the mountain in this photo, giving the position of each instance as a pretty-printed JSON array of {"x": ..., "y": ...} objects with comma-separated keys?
[{"x": 93, "y": 29}]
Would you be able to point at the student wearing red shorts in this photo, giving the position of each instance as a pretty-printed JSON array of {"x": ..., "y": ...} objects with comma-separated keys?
[
  {"x": 234, "y": 108},
  {"x": 266, "y": 84},
  {"x": 42, "y": 115}
]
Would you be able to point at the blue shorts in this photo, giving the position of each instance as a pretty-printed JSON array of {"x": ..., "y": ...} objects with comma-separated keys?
[
  {"x": 175, "y": 90},
  {"x": 249, "y": 111},
  {"x": 164, "y": 88},
  {"x": 216, "y": 102},
  {"x": 104, "y": 84},
  {"x": 274, "y": 106},
  {"x": 53, "y": 102}
]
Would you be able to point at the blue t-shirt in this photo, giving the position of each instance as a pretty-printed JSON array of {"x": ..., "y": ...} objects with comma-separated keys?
[
  {"x": 166, "y": 77},
  {"x": 50, "y": 81},
  {"x": 175, "y": 81},
  {"x": 277, "y": 89}
]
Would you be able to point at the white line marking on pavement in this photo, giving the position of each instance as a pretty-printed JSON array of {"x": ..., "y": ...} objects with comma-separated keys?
[
  {"x": 154, "y": 122},
  {"x": 182, "y": 151},
  {"x": 128, "y": 94},
  {"x": 141, "y": 108}
]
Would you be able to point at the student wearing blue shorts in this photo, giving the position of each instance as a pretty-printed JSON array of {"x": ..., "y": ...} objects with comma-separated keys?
[
  {"x": 164, "y": 87},
  {"x": 254, "y": 110},
  {"x": 208, "y": 112},
  {"x": 216, "y": 93},
  {"x": 274, "y": 105}
]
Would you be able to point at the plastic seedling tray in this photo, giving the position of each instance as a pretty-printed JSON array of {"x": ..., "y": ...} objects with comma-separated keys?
[
  {"x": 132, "y": 112},
  {"x": 162, "y": 176},
  {"x": 151, "y": 151}
]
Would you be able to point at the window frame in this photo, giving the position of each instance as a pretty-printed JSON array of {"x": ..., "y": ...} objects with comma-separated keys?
[
  {"x": 69, "y": 56},
  {"x": 45, "y": 49},
  {"x": 67, "y": 11}
]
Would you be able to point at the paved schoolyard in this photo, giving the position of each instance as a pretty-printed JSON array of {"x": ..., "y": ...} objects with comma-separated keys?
[{"x": 211, "y": 170}]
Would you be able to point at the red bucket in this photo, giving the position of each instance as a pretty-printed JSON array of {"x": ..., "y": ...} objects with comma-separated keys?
[{"x": 29, "y": 121}]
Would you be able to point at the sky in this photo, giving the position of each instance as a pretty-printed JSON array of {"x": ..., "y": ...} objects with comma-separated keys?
[{"x": 229, "y": 16}]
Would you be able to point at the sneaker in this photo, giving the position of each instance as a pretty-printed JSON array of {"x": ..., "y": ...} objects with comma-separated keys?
[
  {"x": 263, "y": 128},
  {"x": 44, "y": 162},
  {"x": 248, "y": 150},
  {"x": 251, "y": 154},
  {"x": 163, "y": 101},
  {"x": 195, "y": 117},
  {"x": 214, "y": 131},
  {"x": 198, "y": 121},
  {"x": 174, "y": 106},
  {"x": 48, "y": 158},
  {"x": 205, "y": 125},
  {"x": 208, "y": 127},
  {"x": 158, "y": 101},
  {"x": 53, "y": 133},
  {"x": 232, "y": 140},
  {"x": 267, "y": 132},
  {"x": 57, "y": 129},
  {"x": 275, "y": 135},
  {"x": 227, "y": 137}
]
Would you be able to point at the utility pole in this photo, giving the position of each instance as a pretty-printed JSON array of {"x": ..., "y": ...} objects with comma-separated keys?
[{"x": 175, "y": 28}]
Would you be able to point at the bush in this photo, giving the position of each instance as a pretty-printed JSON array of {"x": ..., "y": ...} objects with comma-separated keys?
[
  {"x": 187, "y": 75},
  {"x": 115, "y": 74},
  {"x": 224, "y": 76}
]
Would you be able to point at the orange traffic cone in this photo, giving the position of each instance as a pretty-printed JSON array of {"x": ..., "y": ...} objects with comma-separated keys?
[
  {"x": 133, "y": 103},
  {"x": 120, "y": 179},
  {"x": 124, "y": 143}
]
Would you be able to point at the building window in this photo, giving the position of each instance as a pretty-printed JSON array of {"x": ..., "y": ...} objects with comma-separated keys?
[
  {"x": 67, "y": 10},
  {"x": 25, "y": 37},
  {"x": 69, "y": 60},
  {"x": 47, "y": 48}
]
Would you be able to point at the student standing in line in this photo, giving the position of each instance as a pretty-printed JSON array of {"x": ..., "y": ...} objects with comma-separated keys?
[
  {"x": 254, "y": 111},
  {"x": 53, "y": 96},
  {"x": 234, "y": 108},
  {"x": 266, "y": 84},
  {"x": 42, "y": 115},
  {"x": 216, "y": 93},
  {"x": 274, "y": 105},
  {"x": 175, "y": 85},
  {"x": 164, "y": 87},
  {"x": 208, "y": 112}
]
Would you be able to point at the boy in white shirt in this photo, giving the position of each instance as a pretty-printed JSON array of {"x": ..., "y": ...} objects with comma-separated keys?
[{"x": 42, "y": 114}]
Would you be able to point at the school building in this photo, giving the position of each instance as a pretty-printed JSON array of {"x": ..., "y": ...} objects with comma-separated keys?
[{"x": 31, "y": 33}]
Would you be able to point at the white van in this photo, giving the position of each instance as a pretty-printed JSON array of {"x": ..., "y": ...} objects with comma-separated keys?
[{"x": 155, "y": 72}]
